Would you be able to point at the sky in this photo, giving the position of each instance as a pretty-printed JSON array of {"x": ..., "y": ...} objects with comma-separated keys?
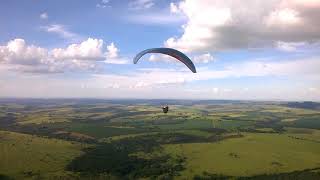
[{"x": 244, "y": 50}]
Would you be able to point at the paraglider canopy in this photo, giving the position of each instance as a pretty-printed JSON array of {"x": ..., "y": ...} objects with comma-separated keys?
[{"x": 171, "y": 52}]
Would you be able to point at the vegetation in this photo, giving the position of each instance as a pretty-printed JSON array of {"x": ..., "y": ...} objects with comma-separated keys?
[
  {"x": 310, "y": 174},
  {"x": 25, "y": 156},
  {"x": 305, "y": 105},
  {"x": 132, "y": 139},
  {"x": 247, "y": 156},
  {"x": 119, "y": 159}
]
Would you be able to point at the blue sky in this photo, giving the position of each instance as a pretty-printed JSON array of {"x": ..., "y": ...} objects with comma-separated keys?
[{"x": 254, "y": 51}]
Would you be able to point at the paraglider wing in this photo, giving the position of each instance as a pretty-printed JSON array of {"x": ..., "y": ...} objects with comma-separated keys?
[{"x": 171, "y": 52}]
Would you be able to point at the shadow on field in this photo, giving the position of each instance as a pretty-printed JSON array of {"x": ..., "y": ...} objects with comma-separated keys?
[
  {"x": 4, "y": 177},
  {"x": 118, "y": 158},
  {"x": 121, "y": 158}
]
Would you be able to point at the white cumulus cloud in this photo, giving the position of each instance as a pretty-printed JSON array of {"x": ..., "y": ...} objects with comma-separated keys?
[
  {"x": 112, "y": 51},
  {"x": 18, "y": 52},
  {"x": 89, "y": 49},
  {"x": 234, "y": 24},
  {"x": 87, "y": 55}
]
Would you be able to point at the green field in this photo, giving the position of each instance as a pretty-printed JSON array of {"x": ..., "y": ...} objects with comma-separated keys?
[
  {"x": 251, "y": 155},
  {"x": 134, "y": 140},
  {"x": 102, "y": 131},
  {"x": 26, "y": 156}
]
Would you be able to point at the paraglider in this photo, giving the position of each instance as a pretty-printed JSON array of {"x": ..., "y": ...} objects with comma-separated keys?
[
  {"x": 171, "y": 52},
  {"x": 165, "y": 109}
]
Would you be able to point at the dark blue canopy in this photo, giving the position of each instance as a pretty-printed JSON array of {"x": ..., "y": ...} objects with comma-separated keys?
[{"x": 171, "y": 52}]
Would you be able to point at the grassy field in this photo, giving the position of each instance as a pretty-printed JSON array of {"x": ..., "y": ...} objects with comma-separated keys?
[
  {"x": 304, "y": 133},
  {"x": 134, "y": 139},
  {"x": 102, "y": 130},
  {"x": 42, "y": 119},
  {"x": 26, "y": 156},
  {"x": 251, "y": 155}
]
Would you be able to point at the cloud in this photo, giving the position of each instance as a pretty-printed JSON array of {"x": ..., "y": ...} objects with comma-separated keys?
[
  {"x": 117, "y": 61},
  {"x": 215, "y": 90},
  {"x": 18, "y": 52},
  {"x": 112, "y": 55},
  {"x": 88, "y": 55},
  {"x": 61, "y": 30},
  {"x": 174, "y": 8},
  {"x": 156, "y": 18},
  {"x": 292, "y": 68},
  {"x": 203, "y": 58},
  {"x": 284, "y": 16},
  {"x": 161, "y": 58},
  {"x": 103, "y": 4},
  {"x": 112, "y": 51},
  {"x": 111, "y": 86},
  {"x": 91, "y": 49},
  {"x": 176, "y": 83},
  {"x": 200, "y": 59},
  {"x": 152, "y": 58},
  {"x": 44, "y": 16},
  {"x": 312, "y": 89},
  {"x": 227, "y": 90},
  {"x": 141, "y": 4},
  {"x": 301, "y": 68},
  {"x": 139, "y": 85},
  {"x": 143, "y": 80},
  {"x": 20, "y": 57},
  {"x": 214, "y": 25},
  {"x": 285, "y": 46}
]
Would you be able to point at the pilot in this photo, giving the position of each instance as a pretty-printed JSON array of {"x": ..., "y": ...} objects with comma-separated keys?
[{"x": 165, "y": 109}]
